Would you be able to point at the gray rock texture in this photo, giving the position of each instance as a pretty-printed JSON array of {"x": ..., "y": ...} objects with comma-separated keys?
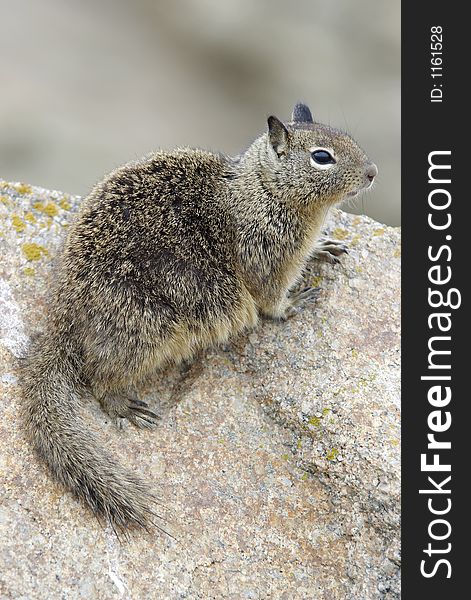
[{"x": 277, "y": 457}]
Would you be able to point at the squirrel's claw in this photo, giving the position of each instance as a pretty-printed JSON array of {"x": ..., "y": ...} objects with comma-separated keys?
[
  {"x": 297, "y": 298},
  {"x": 328, "y": 250},
  {"x": 140, "y": 416}
]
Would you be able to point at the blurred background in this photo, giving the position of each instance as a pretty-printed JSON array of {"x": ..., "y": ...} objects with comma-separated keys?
[{"x": 87, "y": 85}]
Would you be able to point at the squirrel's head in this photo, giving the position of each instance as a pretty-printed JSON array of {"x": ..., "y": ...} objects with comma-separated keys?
[{"x": 310, "y": 162}]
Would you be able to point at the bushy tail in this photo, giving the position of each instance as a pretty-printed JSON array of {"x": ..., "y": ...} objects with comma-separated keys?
[{"x": 51, "y": 387}]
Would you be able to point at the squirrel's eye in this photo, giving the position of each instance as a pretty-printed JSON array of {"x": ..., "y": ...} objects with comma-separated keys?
[{"x": 322, "y": 157}]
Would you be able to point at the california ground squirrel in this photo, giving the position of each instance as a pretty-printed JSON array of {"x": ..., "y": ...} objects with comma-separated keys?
[{"x": 168, "y": 255}]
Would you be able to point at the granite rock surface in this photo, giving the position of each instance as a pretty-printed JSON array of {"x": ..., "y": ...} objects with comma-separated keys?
[{"x": 277, "y": 457}]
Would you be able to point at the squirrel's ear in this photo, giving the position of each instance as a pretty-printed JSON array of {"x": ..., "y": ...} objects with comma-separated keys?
[
  {"x": 301, "y": 114},
  {"x": 278, "y": 135}
]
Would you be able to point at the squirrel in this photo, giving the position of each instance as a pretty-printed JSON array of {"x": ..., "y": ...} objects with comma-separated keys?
[{"x": 168, "y": 255}]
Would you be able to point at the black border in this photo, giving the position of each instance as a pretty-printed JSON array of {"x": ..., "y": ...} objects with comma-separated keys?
[{"x": 427, "y": 127}]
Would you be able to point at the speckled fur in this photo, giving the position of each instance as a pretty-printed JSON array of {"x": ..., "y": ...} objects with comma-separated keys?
[{"x": 170, "y": 254}]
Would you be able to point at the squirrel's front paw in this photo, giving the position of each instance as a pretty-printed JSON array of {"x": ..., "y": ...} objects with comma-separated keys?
[
  {"x": 290, "y": 311},
  {"x": 307, "y": 293},
  {"x": 329, "y": 250},
  {"x": 289, "y": 306},
  {"x": 295, "y": 299},
  {"x": 281, "y": 311}
]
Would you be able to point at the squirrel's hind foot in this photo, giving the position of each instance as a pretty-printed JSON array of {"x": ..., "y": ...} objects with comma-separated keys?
[
  {"x": 140, "y": 416},
  {"x": 125, "y": 407}
]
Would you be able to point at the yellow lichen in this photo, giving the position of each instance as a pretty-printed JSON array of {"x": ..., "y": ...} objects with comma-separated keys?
[
  {"x": 64, "y": 203},
  {"x": 332, "y": 454},
  {"x": 355, "y": 239},
  {"x": 315, "y": 421},
  {"x": 30, "y": 217},
  {"x": 397, "y": 252},
  {"x": 379, "y": 231},
  {"x": 325, "y": 411},
  {"x": 18, "y": 223},
  {"x": 6, "y": 201},
  {"x": 23, "y": 188},
  {"x": 316, "y": 281},
  {"x": 33, "y": 251},
  {"x": 29, "y": 271},
  {"x": 356, "y": 221},
  {"x": 340, "y": 234},
  {"x": 49, "y": 209}
]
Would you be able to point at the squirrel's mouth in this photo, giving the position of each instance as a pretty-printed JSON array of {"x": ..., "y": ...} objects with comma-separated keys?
[{"x": 355, "y": 192}]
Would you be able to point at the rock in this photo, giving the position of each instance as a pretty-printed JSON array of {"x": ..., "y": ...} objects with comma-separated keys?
[{"x": 277, "y": 457}]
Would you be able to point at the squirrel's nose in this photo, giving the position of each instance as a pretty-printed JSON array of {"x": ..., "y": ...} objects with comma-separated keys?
[{"x": 371, "y": 171}]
